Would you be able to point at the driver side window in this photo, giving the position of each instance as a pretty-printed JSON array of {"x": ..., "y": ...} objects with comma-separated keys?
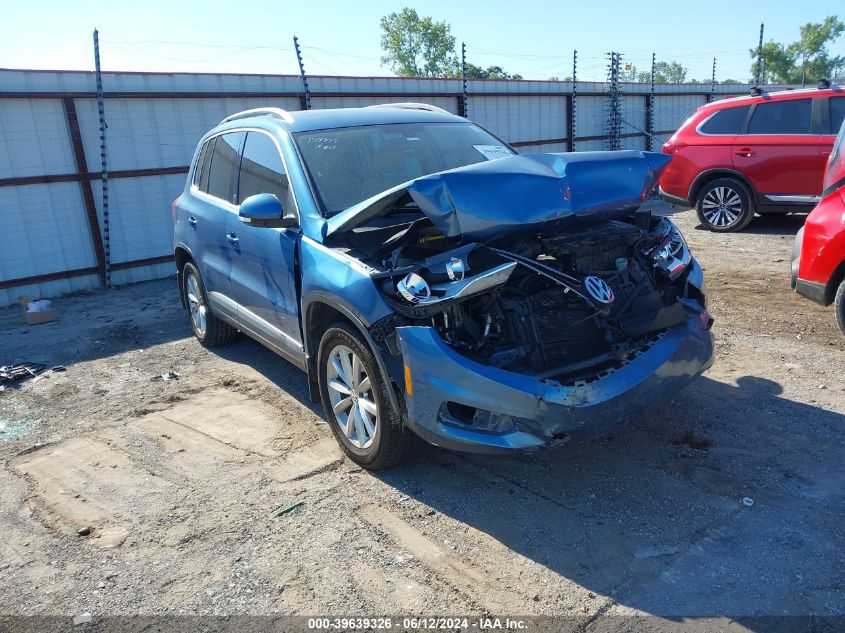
[{"x": 262, "y": 170}]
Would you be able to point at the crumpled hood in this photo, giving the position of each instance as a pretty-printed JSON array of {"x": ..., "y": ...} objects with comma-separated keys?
[{"x": 527, "y": 193}]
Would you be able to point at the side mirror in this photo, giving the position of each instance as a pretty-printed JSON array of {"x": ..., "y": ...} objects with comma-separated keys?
[{"x": 265, "y": 210}]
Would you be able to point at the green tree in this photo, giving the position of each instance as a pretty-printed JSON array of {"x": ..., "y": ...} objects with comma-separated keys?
[
  {"x": 477, "y": 72},
  {"x": 420, "y": 47},
  {"x": 664, "y": 73},
  {"x": 807, "y": 59},
  {"x": 417, "y": 47}
]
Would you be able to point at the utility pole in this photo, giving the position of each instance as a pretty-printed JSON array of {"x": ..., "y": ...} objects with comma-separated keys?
[
  {"x": 302, "y": 75},
  {"x": 104, "y": 174}
]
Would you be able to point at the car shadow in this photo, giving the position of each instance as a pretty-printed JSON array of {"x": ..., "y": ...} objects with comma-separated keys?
[
  {"x": 786, "y": 224},
  {"x": 94, "y": 325},
  {"x": 726, "y": 501}
]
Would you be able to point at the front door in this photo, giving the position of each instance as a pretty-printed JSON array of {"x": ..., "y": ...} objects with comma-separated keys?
[{"x": 263, "y": 270}]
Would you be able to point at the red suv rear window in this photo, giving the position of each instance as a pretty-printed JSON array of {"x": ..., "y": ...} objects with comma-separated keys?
[{"x": 727, "y": 121}]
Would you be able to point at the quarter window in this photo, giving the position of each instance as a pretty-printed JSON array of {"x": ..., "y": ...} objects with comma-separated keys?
[
  {"x": 727, "y": 121},
  {"x": 262, "y": 170},
  {"x": 781, "y": 117},
  {"x": 200, "y": 161},
  {"x": 224, "y": 162}
]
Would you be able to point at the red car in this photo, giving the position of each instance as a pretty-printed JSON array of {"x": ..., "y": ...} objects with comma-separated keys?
[
  {"x": 818, "y": 255},
  {"x": 763, "y": 153}
]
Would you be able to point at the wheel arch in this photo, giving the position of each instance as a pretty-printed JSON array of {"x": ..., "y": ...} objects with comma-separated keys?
[
  {"x": 182, "y": 255},
  {"x": 833, "y": 283},
  {"x": 320, "y": 311},
  {"x": 710, "y": 175}
]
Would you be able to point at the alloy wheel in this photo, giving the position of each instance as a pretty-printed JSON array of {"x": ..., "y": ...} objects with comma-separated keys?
[
  {"x": 722, "y": 207},
  {"x": 351, "y": 396},
  {"x": 196, "y": 305}
]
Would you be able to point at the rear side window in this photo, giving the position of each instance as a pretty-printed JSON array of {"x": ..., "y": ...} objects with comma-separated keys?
[
  {"x": 198, "y": 168},
  {"x": 727, "y": 121},
  {"x": 781, "y": 117},
  {"x": 262, "y": 170},
  {"x": 837, "y": 113},
  {"x": 224, "y": 162}
]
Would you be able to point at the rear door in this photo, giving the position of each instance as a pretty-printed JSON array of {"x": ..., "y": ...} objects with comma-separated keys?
[
  {"x": 263, "y": 258},
  {"x": 210, "y": 210},
  {"x": 836, "y": 114},
  {"x": 779, "y": 152}
]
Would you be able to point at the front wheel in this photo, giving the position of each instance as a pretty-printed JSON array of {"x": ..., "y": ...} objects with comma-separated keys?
[
  {"x": 724, "y": 205},
  {"x": 357, "y": 403},
  {"x": 839, "y": 306}
]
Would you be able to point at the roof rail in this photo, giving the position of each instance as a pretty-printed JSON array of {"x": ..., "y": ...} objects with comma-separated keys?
[
  {"x": 410, "y": 105},
  {"x": 278, "y": 113}
]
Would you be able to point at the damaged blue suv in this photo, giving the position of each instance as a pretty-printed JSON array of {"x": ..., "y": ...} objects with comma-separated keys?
[{"x": 434, "y": 284}]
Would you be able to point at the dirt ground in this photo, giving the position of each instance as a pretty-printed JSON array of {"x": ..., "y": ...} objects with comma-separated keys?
[{"x": 184, "y": 481}]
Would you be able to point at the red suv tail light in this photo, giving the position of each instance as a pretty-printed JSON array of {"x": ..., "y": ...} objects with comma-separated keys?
[{"x": 671, "y": 146}]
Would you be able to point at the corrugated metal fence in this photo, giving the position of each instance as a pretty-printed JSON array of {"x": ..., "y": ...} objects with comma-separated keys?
[{"x": 50, "y": 192}]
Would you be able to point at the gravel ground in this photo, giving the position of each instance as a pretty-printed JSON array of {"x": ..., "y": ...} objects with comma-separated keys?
[{"x": 190, "y": 486}]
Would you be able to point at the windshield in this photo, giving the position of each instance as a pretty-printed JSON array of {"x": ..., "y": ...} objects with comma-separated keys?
[{"x": 348, "y": 165}]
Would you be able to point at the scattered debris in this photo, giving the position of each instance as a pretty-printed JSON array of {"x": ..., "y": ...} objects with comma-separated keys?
[
  {"x": 289, "y": 509},
  {"x": 10, "y": 374},
  {"x": 86, "y": 531},
  {"x": 747, "y": 501},
  {"x": 171, "y": 375},
  {"x": 82, "y": 618}
]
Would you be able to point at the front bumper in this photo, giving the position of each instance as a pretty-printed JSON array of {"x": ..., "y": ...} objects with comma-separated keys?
[{"x": 542, "y": 412}]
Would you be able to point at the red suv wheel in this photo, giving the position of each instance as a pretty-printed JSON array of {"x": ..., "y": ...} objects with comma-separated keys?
[{"x": 724, "y": 205}]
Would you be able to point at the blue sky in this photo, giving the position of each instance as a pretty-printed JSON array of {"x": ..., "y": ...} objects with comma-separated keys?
[{"x": 533, "y": 38}]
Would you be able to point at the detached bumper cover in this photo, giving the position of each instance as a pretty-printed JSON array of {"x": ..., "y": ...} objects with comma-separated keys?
[{"x": 543, "y": 412}]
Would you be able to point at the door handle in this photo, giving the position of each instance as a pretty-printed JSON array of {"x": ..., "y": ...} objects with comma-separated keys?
[
  {"x": 192, "y": 221},
  {"x": 233, "y": 239},
  {"x": 745, "y": 151}
]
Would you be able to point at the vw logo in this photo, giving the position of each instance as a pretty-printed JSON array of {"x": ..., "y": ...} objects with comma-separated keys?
[{"x": 598, "y": 289}]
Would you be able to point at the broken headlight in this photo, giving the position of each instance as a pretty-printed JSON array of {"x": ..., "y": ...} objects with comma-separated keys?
[{"x": 671, "y": 255}]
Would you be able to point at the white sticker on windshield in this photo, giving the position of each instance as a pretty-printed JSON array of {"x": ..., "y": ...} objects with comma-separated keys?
[{"x": 492, "y": 152}]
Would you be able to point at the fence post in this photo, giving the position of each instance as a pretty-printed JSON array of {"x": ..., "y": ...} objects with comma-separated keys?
[
  {"x": 305, "y": 101},
  {"x": 759, "y": 76},
  {"x": 614, "y": 115},
  {"x": 649, "y": 110},
  {"x": 573, "y": 103},
  {"x": 713, "y": 83},
  {"x": 104, "y": 174},
  {"x": 464, "y": 103}
]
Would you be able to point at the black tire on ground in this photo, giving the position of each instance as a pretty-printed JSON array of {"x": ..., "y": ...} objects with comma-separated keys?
[
  {"x": 724, "y": 205},
  {"x": 216, "y": 332},
  {"x": 391, "y": 443},
  {"x": 839, "y": 306}
]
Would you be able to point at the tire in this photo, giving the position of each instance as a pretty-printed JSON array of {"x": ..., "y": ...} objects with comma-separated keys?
[
  {"x": 372, "y": 434},
  {"x": 839, "y": 306},
  {"x": 209, "y": 330},
  {"x": 724, "y": 205}
]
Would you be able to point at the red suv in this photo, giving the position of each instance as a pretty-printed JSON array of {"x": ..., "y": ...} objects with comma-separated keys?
[
  {"x": 763, "y": 153},
  {"x": 818, "y": 256}
]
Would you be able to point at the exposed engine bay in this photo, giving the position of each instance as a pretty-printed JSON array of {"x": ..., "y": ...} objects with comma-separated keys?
[{"x": 565, "y": 306}]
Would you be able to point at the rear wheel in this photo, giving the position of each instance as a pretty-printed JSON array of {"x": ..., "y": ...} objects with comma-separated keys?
[
  {"x": 357, "y": 403},
  {"x": 724, "y": 205},
  {"x": 839, "y": 306},
  {"x": 209, "y": 330}
]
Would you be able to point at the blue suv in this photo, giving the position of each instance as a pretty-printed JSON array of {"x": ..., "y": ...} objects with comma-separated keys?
[{"x": 433, "y": 283}]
